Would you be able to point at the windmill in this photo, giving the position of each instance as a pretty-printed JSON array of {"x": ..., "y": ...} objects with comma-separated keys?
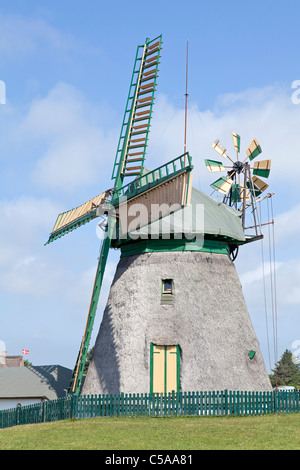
[{"x": 157, "y": 333}]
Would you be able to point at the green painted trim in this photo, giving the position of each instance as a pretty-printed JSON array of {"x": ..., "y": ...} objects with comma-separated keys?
[
  {"x": 162, "y": 286},
  {"x": 178, "y": 368},
  {"x": 153, "y": 178},
  {"x": 214, "y": 163},
  {"x": 236, "y": 193},
  {"x": 265, "y": 173},
  {"x": 72, "y": 226},
  {"x": 219, "y": 183},
  {"x": 165, "y": 368},
  {"x": 251, "y": 354},
  {"x": 151, "y": 367},
  {"x": 257, "y": 151},
  {"x": 188, "y": 186},
  {"x": 150, "y": 246},
  {"x": 238, "y": 138}
]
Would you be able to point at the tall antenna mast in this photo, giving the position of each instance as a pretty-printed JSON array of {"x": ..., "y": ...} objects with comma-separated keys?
[{"x": 186, "y": 95}]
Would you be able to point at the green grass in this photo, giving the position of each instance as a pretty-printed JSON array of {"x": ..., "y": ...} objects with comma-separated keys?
[{"x": 214, "y": 433}]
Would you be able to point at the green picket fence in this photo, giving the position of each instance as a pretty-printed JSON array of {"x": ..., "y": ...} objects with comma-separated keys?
[
  {"x": 45, "y": 412},
  {"x": 219, "y": 403}
]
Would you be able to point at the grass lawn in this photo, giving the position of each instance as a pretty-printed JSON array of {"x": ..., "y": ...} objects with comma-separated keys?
[{"x": 270, "y": 432}]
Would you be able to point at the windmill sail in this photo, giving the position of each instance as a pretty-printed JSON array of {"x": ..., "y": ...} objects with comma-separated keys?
[
  {"x": 133, "y": 139},
  {"x": 253, "y": 150},
  {"x": 262, "y": 168},
  {"x": 236, "y": 141},
  {"x": 213, "y": 165},
  {"x": 74, "y": 218},
  {"x": 259, "y": 186},
  {"x": 222, "y": 184}
]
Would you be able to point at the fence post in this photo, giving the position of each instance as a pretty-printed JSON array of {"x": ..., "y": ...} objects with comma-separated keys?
[
  {"x": 43, "y": 411},
  {"x": 226, "y": 402},
  {"x": 74, "y": 405},
  {"x": 274, "y": 401}
]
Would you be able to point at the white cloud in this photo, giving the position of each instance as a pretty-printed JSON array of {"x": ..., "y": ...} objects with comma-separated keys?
[
  {"x": 280, "y": 283},
  {"x": 257, "y": 275},
  {"x": 287, "y": 224},
  {"x": 285, "y": 268},
  {"x": 287, "y": 263},
  {"x": 76, "y": 151},
  {"x": 30, "y": 275},
  {"x": 24, "y": 225},
  {"x": 289, "y": 283},
  {"x": 85, "y": 281},
  {"x": 20, "y": 35},
  {"x": 22, "y": 222},
  {"x": 267, "y": 114}
]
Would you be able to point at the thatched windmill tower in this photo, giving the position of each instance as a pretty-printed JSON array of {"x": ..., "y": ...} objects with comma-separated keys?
[{"x": 176, "y": 318}]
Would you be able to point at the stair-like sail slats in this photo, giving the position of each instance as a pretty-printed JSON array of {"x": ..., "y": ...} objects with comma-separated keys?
[
  {"x": 140, "y": 126},
  {"x": 146, "y": 100},
  {"x": 131, "y": 160},
  {"x": 137, "y": 140},
  {"x": 152, "y": 51},
  {"x": 141, "y": 115},
  {"x": 134, "y": 154},
  {"x": 133, "y": 174},
  {"x": 138, "y": 108},
  {"x": 148, "y": 85},
  {"x": 70, "y": 220},
  {"x": 149, "y": 72},
  {"x": 139, "y": 133},
  {"x": 154, "y": 45},
  {"x": 151, "y": 61}
]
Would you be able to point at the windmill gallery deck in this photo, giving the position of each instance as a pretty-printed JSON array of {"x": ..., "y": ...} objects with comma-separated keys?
[{"x": 176, "y": 317}]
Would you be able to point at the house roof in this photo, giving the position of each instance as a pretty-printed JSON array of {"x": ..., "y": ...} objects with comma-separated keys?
[{"x": 49, "y": 381}]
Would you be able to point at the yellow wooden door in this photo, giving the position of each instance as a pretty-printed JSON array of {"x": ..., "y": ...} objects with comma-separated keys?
[
  {"x": 171, "y": 366},
  {"x": 165, "y": 362},
  {"x": 158, "y": 369}
]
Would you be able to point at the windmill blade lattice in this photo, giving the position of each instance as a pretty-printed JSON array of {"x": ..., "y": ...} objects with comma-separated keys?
[{"x": 239, "y": 185}]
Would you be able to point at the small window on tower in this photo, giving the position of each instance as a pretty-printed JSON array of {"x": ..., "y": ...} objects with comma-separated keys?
[{"x": 167, "y": 286}]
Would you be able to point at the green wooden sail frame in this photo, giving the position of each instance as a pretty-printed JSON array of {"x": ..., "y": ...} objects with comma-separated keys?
[{"x": 135, "y": 128}]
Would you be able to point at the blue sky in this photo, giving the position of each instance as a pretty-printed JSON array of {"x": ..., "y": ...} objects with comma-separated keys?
[{"x": 67, "y": 67}]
